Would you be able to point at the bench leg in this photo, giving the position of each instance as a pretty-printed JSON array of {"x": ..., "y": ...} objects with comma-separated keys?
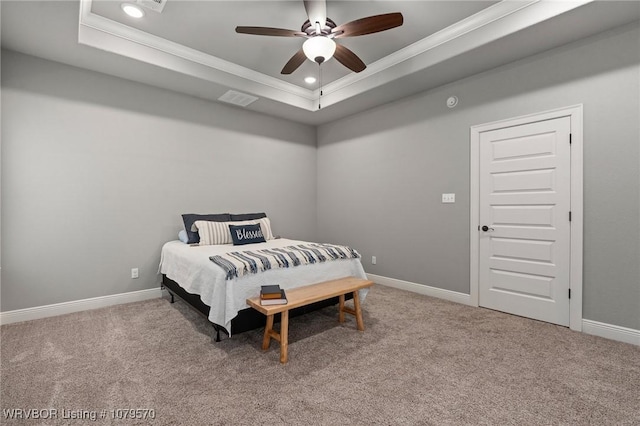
[
  {"x": 268, "y": 330},
  {"x": 284, "y": 337},
  {"x": 356, "y": 305},
  {"x": 356, "y": 311}
]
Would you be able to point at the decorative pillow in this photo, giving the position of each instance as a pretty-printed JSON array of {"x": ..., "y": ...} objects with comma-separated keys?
[
  {"x": 265, "y": 223},
  {"x": 190, "y": 218},
  {"x": 246, "y": 216},
  {"x": 212, "y": 233},
  {"x": 246, "y": 234},
  {"x": 182, "y": 236}
]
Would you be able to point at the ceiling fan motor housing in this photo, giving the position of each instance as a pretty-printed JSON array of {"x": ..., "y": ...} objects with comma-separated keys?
[{"x": 310, "y": 29}]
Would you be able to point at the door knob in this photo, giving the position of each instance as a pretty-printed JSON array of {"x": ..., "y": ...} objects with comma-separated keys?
[{"x": 485, "y": 228}]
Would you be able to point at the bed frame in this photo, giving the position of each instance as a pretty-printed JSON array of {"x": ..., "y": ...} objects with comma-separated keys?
[{"x": 247, "y": 319}]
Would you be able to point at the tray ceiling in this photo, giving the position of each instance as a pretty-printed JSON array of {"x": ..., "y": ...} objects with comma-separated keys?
[{"x": 191, "y": 47}]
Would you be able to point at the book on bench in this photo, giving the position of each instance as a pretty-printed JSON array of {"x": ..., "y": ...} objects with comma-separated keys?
[
  {"x": 281, "y": 300},
  {"x": 270, "y": 292}
]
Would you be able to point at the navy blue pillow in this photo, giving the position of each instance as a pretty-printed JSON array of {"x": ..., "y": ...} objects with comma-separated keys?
[
  {"x": 189, "y": 218},
  {"x": 247, "y": 216},
  {"x": 246, "y": 234}
]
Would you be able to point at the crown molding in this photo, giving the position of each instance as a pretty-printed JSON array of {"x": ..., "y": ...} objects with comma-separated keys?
[
  {"x": 490, "y": 24},
  {"x": 474, "y": 22},
  {"x": 117, "y": 29},
  {"x": 106, "y": 34}
]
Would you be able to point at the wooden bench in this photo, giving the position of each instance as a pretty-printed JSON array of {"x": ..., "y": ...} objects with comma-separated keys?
[{"x": 302, "y": 296}]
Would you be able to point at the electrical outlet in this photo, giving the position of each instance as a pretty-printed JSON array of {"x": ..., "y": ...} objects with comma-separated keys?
[
  {"x": 373, "y": 260},
  {"x": 448, "y": 198},
  {"x": 134, "y": 273}
]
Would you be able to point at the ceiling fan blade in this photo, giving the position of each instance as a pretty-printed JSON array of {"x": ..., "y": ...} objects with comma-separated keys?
[
  {"x": 369, "y": 25},
  {"x": 266, "y": 31},
  {"x": 349, "y": 59},
  {"x": 295, "y": 61},
  {"x": 317, "y": 11}
]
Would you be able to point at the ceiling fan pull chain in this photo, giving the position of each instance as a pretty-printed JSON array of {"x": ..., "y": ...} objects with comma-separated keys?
[{"x": 319, "y": 84}]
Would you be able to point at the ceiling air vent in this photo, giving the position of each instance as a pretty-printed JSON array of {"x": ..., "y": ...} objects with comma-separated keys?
[
  {"x": 156, "y": 5},
  {"x": 237, "y": 98}
]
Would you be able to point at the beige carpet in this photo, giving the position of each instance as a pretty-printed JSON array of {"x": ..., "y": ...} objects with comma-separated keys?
[{"x": 419, "y": 361}]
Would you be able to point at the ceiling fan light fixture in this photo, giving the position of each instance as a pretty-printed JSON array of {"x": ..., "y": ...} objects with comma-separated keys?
[{"x": 319, "y": 49}]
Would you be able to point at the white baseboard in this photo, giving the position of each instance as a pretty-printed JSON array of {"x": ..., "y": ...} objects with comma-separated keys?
[
  {"x": 440, "y": 293},
  {"x": 38, "y": 312},
  {"x": 613, "y": 332},
  {"x": 600, "y": 329}
]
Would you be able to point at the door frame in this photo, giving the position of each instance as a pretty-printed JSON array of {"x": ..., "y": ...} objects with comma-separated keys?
[{"x": 576, "y": 202}]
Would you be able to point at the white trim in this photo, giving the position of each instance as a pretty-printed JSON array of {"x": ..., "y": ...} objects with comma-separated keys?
[
  {"x": 467, "y": 25},
  {"x": 595, "y": 328},
  {"x": 575, "y": 280},
  {"x": 55, "y": 309},
  {"x": 452, "y": 296},
  {"x": 134, "y": 35},
  {"x": 494, "y": 22},
  {"x": 577, "y": 224},
  {"x": 613, "y": 332},
  {"x": 497, "y": 21}
]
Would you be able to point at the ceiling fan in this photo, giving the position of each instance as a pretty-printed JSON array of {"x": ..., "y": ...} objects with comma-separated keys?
[{"x": 320, "y": 33}]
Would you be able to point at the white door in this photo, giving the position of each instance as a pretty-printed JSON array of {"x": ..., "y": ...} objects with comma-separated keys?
[{"x": 524, "y": 244}]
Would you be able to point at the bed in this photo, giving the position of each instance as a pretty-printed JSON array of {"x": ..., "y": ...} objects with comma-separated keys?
[{"x": 188, "y": 271}]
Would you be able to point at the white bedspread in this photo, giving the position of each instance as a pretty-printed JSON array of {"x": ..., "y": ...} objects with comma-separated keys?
[{"x": 190, "y": 267}]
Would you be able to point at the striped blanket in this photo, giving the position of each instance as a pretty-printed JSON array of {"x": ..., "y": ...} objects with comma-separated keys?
[{"x": 239, "y": 263}]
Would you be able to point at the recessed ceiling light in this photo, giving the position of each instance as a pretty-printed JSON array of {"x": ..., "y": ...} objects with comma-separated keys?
[
  {"x": 132, "y": 10},
  {"x": 309, "y": 80}
]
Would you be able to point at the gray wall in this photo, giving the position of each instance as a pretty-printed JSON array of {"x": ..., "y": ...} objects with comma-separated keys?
[
  {"x": 96, "y": 171},
  {"x": 381, "y": 173}
]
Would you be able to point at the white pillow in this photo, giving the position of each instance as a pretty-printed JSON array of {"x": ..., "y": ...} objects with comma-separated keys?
[{"x": 213, "y": 233}]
